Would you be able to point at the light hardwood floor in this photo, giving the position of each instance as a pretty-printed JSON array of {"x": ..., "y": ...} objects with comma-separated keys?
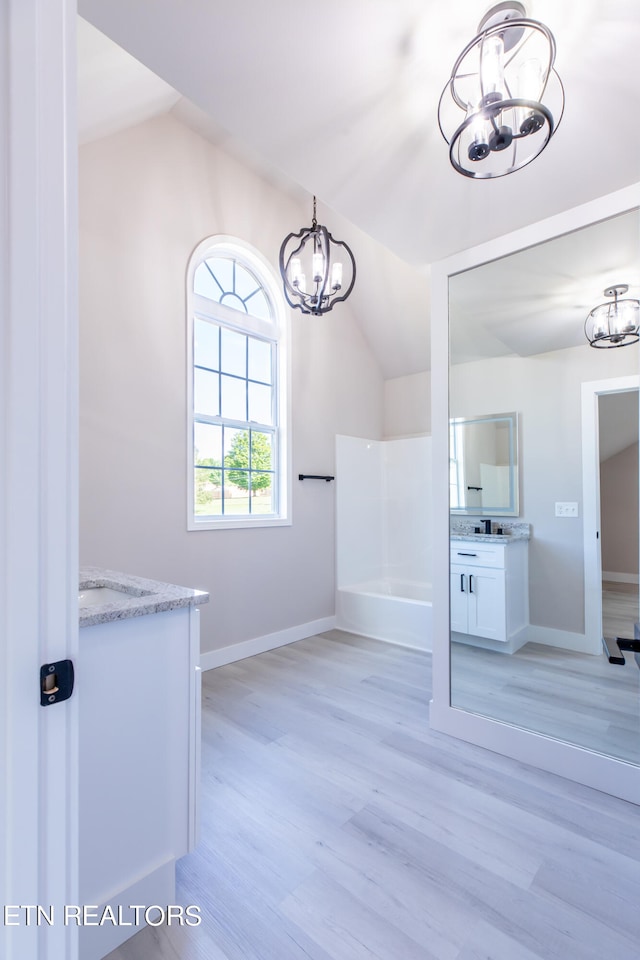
[{"x": 337, "y": 826}]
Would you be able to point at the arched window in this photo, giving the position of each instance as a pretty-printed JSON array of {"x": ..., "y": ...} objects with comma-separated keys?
[{"x": 237, "y": 397}]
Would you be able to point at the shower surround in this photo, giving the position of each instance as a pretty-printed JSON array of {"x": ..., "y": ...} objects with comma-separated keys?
[{"x": 383, "y": 539}]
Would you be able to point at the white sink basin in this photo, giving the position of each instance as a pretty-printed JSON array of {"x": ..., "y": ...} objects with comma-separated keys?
[{"x": 94, "y": 595}]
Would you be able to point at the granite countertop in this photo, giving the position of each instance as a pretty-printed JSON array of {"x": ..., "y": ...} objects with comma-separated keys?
[
  {"x": 490, "y": 537},
  {"x": 463, "y": 528},
  {"x": 139, "y": 596}
]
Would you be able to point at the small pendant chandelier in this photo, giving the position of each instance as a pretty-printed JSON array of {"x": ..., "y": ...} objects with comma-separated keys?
[
  {"x": 491, "y": 112},
  {"x": 312, "y": 268},
  {"x": 613, "y": 324}
]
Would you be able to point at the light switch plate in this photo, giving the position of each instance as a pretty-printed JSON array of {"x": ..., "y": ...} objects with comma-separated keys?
[{"x": 566, "y": 508}]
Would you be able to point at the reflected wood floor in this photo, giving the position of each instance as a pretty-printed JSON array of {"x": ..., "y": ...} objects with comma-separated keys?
[
  {"x": 337, "y": 826},
  {"x": 619, "y": 608},
  {"x": 572, "y": 696}
]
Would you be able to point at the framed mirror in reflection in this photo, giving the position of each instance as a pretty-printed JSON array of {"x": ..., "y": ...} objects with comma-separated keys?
[
  {"x": 483, "y": 465},
  {"x": 526, "y": 351}
]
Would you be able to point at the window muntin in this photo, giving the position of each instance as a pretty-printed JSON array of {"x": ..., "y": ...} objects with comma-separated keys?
[
  {"x": 224, "y": 280},
  {"x": 238, "y": 474}
]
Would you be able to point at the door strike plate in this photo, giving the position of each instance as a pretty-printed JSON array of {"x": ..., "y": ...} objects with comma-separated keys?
[{"x": 56, "y": 682}]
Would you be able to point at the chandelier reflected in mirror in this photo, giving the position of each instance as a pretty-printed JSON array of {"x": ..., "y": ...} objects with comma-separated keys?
[
  {"x": 317, "y": 270},
  {"x": 504, "y": 100},
  {"x": 613, "y": 324}
]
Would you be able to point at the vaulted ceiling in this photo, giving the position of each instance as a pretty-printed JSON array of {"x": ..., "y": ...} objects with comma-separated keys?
[{"x": 341, "y": 99}]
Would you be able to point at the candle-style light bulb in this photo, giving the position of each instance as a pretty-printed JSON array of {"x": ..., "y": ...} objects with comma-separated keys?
[
  {"x": 492, "y": 69},
  {"x": 626, "y": 316},
  {"x": 318, "y": 268},
  {"x": 336, "y": 276},
  {"x": 527, "y": 85},
  {"x": 599, "y": 329},
  {"x": 529, "y": 80},
  {"x": 479, "y": 132},
  {"x": 296, "y": 271}
]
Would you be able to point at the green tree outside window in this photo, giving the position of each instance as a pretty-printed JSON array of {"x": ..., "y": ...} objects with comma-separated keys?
[{"x": 238, "y": 458}]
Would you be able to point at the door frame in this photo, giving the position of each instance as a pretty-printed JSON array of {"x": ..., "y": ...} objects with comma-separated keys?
[
  {"x": 38, "y": 471},
  {"x": 591, "y": 392}
]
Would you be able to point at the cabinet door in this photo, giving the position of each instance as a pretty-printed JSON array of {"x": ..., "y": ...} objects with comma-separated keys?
[
  {"x": 487, "y": 612},
  {"x": 459, "y": 598}
]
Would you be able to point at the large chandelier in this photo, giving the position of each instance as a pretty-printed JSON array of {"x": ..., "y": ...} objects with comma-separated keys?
[
  {"x": 504, "y": 100},
  {"x": 613, "y": 324},
  {"x": 313, "y": 267}
]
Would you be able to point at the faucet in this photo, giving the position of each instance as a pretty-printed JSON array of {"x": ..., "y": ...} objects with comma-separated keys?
[{"x": 487, "y": 526}]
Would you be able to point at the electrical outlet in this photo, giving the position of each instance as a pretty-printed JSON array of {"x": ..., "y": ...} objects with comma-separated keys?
[{"x": 567, "y": 509}]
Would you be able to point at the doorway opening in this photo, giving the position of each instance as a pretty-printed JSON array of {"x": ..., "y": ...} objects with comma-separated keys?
[
  {"x": 618, "y": 455},
  {"x": 611, "y": 507}
]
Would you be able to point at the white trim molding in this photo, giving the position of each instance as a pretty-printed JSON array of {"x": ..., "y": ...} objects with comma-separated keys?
[
  {"x": 38, "y": 467},
  {"x": 270, "y": 641},
  {"x": 276, "y": 331}
]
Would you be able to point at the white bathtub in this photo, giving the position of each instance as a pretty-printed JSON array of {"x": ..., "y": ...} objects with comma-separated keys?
[{"x": 395, "y": 610}]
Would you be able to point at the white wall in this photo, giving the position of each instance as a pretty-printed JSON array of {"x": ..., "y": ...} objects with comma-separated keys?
[
  {"x": 407, "y": 406},
  {"x": 148, "y": 195},
  {"x": 545, "y": 391}
]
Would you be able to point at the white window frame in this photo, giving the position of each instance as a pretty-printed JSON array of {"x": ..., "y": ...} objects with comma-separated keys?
[{"x": 276, "y": 331}]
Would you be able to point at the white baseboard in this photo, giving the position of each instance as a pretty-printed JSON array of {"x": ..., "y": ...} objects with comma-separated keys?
[
  {"x": 620, "y": 577},
  {"x": 156, "y": 888},
  {"x": 396, "y": 643},
  {"x": 564, "y": 639},
  {"x": 271, "y": 641}
]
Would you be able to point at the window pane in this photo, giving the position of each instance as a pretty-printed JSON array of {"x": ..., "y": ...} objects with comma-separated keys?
[
  {"x": 234, "y": 353},
  {"x": 260, "y": 450},
  {"x": 234, "y": 398},
  {"x": 261, "y": 493},
  {"x": 234, "y": 383},
  {"x": 233, "y": 300},
  {"x": 246, "y": 283},
  {"x": 204, "y": 284},
  {"x": 260, "y": 403},
  {"x": 258, "y": 306},
  {"x": 222, "y": 270},
  {"x": 259, "y": 360},
  {"x": 236, "y": 492},
  {"x": 236, "y": 479},
  {"x": 207, "y": 443},
  {"x": 236, "y": 448},
  {"x": 206, "y": 351},
  {"x": 205, "y": 392},
  {"x": 207, "y": 492}
]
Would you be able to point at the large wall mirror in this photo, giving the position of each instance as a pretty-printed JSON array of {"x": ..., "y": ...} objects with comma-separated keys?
[
  {"x": 530, "y": 600},
  {"x": 483, "y": 457}
]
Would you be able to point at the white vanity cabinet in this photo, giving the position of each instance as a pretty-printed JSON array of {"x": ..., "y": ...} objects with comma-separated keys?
[
  {"x": 138, "y": 683},
  {"x": 490, "y": 592}
]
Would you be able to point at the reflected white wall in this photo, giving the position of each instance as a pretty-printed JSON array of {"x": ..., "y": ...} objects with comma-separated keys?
[{"x": 383, "y": 510}]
